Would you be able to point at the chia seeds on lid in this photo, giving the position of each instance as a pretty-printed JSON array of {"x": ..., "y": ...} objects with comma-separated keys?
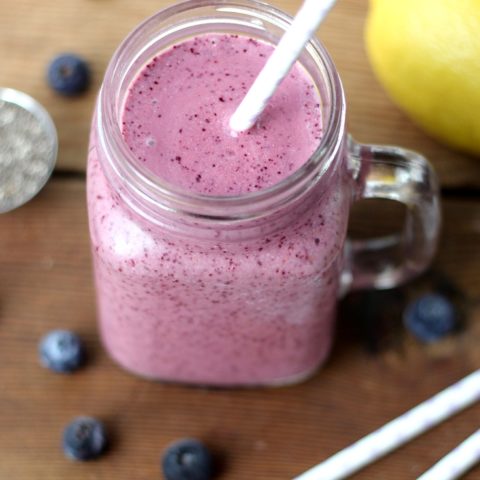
[{"x": 28, "y": 148}]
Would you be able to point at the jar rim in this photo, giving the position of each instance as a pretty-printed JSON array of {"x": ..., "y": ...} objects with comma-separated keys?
[{"x": 139, "y": 182}]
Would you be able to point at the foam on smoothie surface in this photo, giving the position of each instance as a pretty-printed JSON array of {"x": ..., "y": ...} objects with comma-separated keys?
[{"x": 177, "y": 111}]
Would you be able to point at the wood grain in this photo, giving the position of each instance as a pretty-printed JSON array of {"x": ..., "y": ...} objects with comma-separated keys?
[
  {"x": 31, "y": 33},
  {"x": 45, "y": 283}
]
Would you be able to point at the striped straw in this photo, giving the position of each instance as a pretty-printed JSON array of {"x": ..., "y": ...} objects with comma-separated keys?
[
  {"x": 457, "y": 462},
  {"x": 399, "y": 431},
  {"x": 280, "y": 62}
]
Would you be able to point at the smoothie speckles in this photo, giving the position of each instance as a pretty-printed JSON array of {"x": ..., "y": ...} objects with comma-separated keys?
[{"x": 206, "y": 78}]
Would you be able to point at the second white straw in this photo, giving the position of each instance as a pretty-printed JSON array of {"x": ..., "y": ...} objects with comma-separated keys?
[
  {"x": 457, "y": 462},
  {"x": 280, "y": 62}
]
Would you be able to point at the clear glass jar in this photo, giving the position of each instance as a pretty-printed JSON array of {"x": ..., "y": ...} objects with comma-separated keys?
[{"x": 232, "y": 291}]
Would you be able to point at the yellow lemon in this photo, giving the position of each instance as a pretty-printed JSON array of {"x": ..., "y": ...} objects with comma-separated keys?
[{"x": 426, "y": 53}]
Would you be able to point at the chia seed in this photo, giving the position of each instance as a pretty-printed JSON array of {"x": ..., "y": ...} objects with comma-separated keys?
[{"x": 27, "y": 149}]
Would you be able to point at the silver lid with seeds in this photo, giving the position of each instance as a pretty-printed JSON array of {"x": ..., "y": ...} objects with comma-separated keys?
[{"x": 28, "y": 148}]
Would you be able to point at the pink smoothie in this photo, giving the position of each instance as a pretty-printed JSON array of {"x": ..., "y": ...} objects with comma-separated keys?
[{"x": 246, "y": 312}]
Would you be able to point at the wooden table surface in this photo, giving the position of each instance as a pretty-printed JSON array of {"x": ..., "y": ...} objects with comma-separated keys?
[{"x": 376, "y": 371}]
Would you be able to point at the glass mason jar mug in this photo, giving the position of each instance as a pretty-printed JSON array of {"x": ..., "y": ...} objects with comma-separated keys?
[{"x": 240, "y": 290}]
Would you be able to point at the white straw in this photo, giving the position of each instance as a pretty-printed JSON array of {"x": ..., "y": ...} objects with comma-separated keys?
[
  {"x": 457, "y": 462},
  {"x": 280, "y": 62},
  {"x": 398, "y": 431}
]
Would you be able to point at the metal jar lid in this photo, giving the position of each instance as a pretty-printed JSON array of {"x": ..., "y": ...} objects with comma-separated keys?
[{"x": 28, "y": 148}]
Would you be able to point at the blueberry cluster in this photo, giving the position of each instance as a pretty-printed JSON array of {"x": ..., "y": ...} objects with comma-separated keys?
[{"x": 85, "y": 438}]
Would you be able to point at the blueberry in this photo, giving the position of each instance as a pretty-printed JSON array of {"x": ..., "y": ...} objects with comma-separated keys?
[
  {"x": 430, "y": 317},
  {"x": 62, "y": 351},
  {"x": 68, "y": 74},
  {"x": 187, "y": 459},
  {"x": 84, "y": 439}
]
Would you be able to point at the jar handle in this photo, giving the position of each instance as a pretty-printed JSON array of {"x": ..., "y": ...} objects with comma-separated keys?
[{"x": 404, "y": 176}]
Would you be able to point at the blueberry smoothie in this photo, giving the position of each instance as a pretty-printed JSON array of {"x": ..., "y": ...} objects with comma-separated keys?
[{"x": 246, "y": 311}]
